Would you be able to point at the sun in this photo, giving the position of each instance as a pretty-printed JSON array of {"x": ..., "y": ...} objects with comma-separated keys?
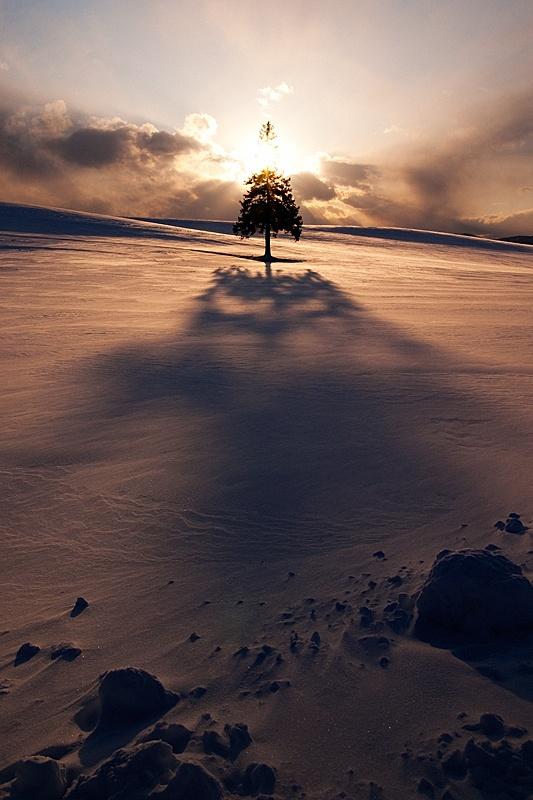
[{"x": 281, "y": 155}]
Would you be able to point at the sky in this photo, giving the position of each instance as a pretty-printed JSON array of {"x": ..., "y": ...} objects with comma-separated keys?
[{"x": 414, "y": 113}]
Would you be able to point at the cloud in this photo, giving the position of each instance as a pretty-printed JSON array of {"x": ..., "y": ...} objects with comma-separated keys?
[
  {"x": 487, "y": 159},
  {"x": 90, "y": 147},
  {"x": 269, "y": 95},
  {"x": 348, "y": 173},
  {"x": 41, "y": 140},
  {"x": 96, "y": 147},
  {"x": 48, "y": 120},
  {"x": 200, "y": 126},
  {"x": 448, "y": 182},
  {"x": 516, "y": 224},
  {"x": 380, "y": 210},
  {"x": 307, "y": 186},
  {"x": 213, "y": 199},
  {"x": 398, "y": 131},
  {"x": 477, "y": 177},
  {"x": 52, "y": 156},
  {"x": 4, "y": 66}
]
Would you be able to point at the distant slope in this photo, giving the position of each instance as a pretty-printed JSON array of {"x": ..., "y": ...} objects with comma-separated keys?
[
  {"x": 398, "y": 234},
  {"x": 213, "y": 225},
  {"x": 417, "y": 235},
  {"x": 518, "y": 239},
  {"x": 64, "y": 222}
]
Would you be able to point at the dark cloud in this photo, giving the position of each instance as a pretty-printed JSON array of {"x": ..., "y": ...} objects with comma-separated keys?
[
  {"x": 19, "y": 159},
  {"x": 38, "y": 140},
  {"x": 494, "y": 150},
  {"x": 50, "y": 155},
  {"x": 307, "y": 186},
  {"x": 91, "y": 147},
  {"x": 96, "y": 147},
  {"x": 367, "y": 202},
  {"x": 213, "y": 199},
  {"x": 347, "y": 173},
  {"x": 161, "y": 143},
  {"x": 486, "y": 161},
  {"x": 107, "y": 166},
  {"x": 312, "y": 216},
  {"x": 518, "y": 224},
  {"x": 382, "y": 210}
]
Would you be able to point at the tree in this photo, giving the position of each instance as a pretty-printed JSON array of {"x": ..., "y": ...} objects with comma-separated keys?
[{"x": 268, "y": 206}]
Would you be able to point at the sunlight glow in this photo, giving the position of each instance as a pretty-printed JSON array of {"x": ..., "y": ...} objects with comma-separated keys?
[{"x": 253, "y": 156}]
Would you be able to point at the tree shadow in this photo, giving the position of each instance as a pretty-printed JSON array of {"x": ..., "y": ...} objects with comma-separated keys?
[
  {"x": 271, "y": 302},
  {"x": 279, "y": 419},
  {"x": 261, "y": 259},
  {"x": 282, "y": 417},
  {"x": 281, "y": 397}
]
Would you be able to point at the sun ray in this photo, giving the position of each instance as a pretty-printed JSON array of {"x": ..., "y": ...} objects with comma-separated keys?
[{"x": 282, "y": 155}]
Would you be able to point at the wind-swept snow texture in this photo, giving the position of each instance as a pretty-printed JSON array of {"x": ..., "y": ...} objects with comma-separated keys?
[{"x": 170, "y": 412}]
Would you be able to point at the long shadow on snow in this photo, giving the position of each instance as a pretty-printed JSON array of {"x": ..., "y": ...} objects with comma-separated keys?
[{"x": 310, "y": 408}]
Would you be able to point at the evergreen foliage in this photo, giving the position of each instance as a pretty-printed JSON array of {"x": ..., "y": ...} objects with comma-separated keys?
[{"x": 268, "y": 206}]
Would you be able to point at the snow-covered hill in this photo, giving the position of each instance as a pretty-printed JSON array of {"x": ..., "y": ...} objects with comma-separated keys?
[{"x": 195, "y": 446}]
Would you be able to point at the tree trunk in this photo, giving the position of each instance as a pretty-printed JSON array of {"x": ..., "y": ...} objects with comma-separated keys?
[{"x": 268, "y": 254}]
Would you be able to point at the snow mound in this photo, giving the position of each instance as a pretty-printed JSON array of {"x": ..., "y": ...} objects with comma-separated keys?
[{"x": 476, "y": 592}]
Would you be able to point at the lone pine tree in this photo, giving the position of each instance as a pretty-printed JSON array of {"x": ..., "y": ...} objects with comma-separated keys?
[{"x": 268, "y": 206}]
